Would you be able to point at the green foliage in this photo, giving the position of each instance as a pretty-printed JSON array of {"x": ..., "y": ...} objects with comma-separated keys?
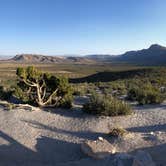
[
  {"x": 4, "y": 93},
  {"x": 146, "y": 94},
  {"x": 116, "y": 88},
  {"x": 43, "y": 89},
  {"x": 83, "y": 88},
  {"x": 29, "y": 73},
  {"x": 106, "y": 105},
  {"x": 66, "y": 102},
  {"x": 22, "y": 95}
]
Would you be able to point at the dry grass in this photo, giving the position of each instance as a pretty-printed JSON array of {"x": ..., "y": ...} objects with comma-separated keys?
[
  {"x": 117, "y": 132},
  {"x": 8, "y": 69}
]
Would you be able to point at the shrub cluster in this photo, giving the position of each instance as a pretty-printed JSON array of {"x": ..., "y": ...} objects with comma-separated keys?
[
  {"x": 106, "y": 105},
  {"x": 146, "y": 94}
]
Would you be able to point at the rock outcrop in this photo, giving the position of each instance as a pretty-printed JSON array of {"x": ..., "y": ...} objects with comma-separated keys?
[
  {"x": 102, "y": 149},
  {"x": 98, "y": 149}
]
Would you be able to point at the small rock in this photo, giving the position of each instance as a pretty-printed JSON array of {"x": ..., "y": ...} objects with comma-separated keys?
[
  {"x": 100, "y": 138},
  {"x": 98, "y": 149},
  {"x": 151, "y": 133}
]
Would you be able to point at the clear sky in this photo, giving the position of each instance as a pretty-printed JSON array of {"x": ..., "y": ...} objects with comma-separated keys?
[{"x": 80, "y": 26}]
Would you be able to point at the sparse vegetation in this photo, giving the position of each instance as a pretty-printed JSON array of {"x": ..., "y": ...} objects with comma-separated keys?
[
  {"x": 106, "y": 105},
  {"x": 146, "y": 94},
  {"x": 116, "y": 80},
  {"x": 117, "y": 132},
  {"x": 5, "y": 93}
]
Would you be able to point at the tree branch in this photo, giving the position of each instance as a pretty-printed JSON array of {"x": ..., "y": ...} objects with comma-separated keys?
[
  {"x": 50, "y": 97},
  {"x": 44, "y": 93},
  {"x": 28, "y": 83}
]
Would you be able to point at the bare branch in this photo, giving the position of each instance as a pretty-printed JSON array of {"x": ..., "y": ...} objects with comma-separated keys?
[
  {"x": 42, "y": 86},
  {"x": 44, "y": 93},
  {"x": 28, "y": 83},
  {"x": 29, "y": 90},
  {"x": 50, "y": 97}
]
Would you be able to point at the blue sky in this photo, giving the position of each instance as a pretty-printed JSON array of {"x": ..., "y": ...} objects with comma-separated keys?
[{"x": 58, "y": 27}]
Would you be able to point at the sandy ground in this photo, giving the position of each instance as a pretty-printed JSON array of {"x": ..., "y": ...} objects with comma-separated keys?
[{"x": 40, "y": 138}]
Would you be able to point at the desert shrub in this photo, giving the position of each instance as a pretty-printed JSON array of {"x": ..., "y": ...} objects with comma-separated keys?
[
  {"x": 146, "y": 94},
  {"x": 66, "y": 102},
  {"x": 117, "y": 132},
  {"x": 133, "y": 93},
  {"x": 116, "y": 88},
  {"x": 150, "y": 97},
  {"x": 106, "y": 105},
  {"x": 79, "y": 90},
  {"x": 5, "y": 93},
  {"x": 42, "y": 89}
]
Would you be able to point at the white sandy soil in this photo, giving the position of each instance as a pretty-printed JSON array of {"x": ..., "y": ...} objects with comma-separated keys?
[{"x": 40, "y": 138}]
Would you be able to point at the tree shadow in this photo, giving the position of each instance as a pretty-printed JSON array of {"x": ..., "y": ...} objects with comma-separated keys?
[
  {"x": 14, "y": 151},
  {"x": 108, "y": 76},
  {"x": 73, "y": 113},
  {"x": 49, "y": 151},
  {"x": 90, "y": 135},
  {"x": 157, "y": 152},
  {"x": 149, "y": 107},
  {"x": 146, "y": 129},
  {"x": 56, "y": 152}
]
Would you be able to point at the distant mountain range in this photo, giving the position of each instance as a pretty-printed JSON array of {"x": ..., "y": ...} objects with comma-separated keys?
[
  {"x": 154, "y": 55},
  {"x": 31, "y": 58}
]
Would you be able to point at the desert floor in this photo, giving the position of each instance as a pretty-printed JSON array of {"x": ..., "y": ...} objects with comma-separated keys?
[{"x": 40, "y": 138}]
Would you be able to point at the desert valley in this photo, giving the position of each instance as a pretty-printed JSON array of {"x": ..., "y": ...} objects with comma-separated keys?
[
  {"x": 82, "y": 83},
  {"x": 89, "y": 110}
]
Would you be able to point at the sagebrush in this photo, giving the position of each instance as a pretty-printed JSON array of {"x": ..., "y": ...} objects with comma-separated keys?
[{"x": 106, "y": 105}]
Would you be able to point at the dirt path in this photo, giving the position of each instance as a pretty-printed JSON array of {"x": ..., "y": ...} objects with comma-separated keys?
[{"x": 43, "y": 138}]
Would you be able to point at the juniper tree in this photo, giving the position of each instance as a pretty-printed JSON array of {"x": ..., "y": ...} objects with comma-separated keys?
[{"x": 43, "y": 88}]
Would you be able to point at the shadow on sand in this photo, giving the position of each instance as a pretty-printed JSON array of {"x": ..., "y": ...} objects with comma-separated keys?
[
  {"x": 146, "y": 129},
  {"x": 157, "y": 152},
  {"x": 151, "y": 107},
  {"x": 49, "y": 151},
  {"x": 90, "y": 135}
]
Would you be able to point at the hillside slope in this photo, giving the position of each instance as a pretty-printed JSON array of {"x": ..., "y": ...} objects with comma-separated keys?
[
  {"x": 31, "y": 58},
  {"x": 154, "y": 55}
]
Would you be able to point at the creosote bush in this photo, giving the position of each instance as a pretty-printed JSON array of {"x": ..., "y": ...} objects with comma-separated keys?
[
  {"x": 106, "y": 105},
  {"x": 146, "y": 94}
]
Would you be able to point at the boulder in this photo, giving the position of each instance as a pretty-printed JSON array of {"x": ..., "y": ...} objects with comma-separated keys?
[
  {"x": 143, "y": 158},
  {"x": 98, "y": 149}
]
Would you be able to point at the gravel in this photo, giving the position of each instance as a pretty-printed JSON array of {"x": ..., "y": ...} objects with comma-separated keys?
[{"x": 32, "y": 138}]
